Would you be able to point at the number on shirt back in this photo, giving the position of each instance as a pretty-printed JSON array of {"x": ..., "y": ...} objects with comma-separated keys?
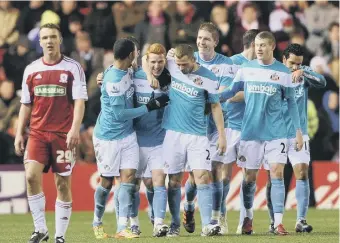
[{"x": 64, "y": 156}]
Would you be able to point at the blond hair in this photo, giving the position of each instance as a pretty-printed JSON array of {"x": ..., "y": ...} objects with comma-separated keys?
[
  {"x": 184, "y": 50},
  {"x": 266, "y": 35},
  {"x": 211, "y": 28}
]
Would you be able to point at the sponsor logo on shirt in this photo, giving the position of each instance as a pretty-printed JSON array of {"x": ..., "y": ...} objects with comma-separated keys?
[
  {"x": 49, "y": 90},
  {"x": 215, "y": 70},
  {"x": 183, "y": 88},
  {"x": 143, "y": 99},
  {"x": 261, "y": 89}
]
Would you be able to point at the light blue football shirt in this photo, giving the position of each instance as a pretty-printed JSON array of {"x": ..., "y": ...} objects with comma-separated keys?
[
  {"x": 117, "y": 91},
  {"x": 265, "y": 87},
  {"x": 309, "y": 79},
  {"x": 149, "y": 126},
  {"x": 188, "y": 95},
  {"x": 223, "y": 68}
]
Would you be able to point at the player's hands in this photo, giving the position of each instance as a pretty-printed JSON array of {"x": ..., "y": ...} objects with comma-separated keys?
[
  {"x": 72, "y": 139},
  {"x": 171, "y": 53},
  {"x": 296, "y": 76},
  {"x": 100, "y": 77},
  {"x": 221, "y": 145},
  {"x": 299, "y": 140},
  {"x": 19, "y": 144},
  {"x": 157, "y": 103}
]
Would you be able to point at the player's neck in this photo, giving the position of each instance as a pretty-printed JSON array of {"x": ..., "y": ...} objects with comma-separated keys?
[
  {"x": 196, "y": 67},
  {"x": 207, "y": 56},
  {"x": 269, "y": 61},
  {"x": 249, "y": 54},
  {"x": 122, "y": 65},
  {"x": 52, "y": 59}
]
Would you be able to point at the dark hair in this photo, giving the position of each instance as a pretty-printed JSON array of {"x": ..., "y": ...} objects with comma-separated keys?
[
  {"x": 122, "y": 48},
  {"x": 50, "y": 26},
  {"x": 295, "y": 49},
  {"x": 249, "y": 37},
  {"x": 332, "y": 25},
  {"x": 135, "y": 41},
  {"x": 250, "y": 5}
]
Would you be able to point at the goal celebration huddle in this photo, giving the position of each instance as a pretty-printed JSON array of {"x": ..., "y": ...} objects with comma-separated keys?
[{"x": 179, "y": 111}]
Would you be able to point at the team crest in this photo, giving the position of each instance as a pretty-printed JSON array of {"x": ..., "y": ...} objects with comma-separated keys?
[
  {"x": 198, "y": 81},
  {"x": 215, "y": 70},
  {"x": 231, "y": 71},
  {"x": 274, "y": 77},
  {"x": 63, "y": 78}
]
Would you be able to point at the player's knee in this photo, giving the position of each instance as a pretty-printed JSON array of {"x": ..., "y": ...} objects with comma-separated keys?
[
  {"x": 226, "y": 181},
  {"x": 203, "y": 177},
  {"x": 276, "y": 171},
  {"x": 301, "y": 174},
  {"x": 32, "y": 179},
  {"x": 250, "y": 176},
  {"x": 63, "y": 186},
  {"x": 174, "y": 183},
  {"x": 148, "y": 184},
  {"x": 128, "y": 176},
  {"x": 106, "y": 182}
]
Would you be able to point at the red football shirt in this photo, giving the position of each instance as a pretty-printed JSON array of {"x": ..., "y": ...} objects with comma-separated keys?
[{"x": 51, "y": 90}]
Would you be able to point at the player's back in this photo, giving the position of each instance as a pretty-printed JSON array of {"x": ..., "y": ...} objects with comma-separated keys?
[
  {"x": 149, "y": 126},
  {"x": 117, "y": 93},
  {"x": 51, "y": 90},
  {"x": 188, "y": 95},
  {"x": 264, "y": 90}
]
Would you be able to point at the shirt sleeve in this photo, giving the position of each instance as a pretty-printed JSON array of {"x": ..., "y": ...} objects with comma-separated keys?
[
  {"x": 25, "y": 95},
  {"x": 289, "y": 94},
  {"x": 313, "y": 79},
  {"x": 79, "y": 89}
]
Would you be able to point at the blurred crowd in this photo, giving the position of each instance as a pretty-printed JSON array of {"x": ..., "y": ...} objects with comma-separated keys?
[{"x": 89, "y": 30}]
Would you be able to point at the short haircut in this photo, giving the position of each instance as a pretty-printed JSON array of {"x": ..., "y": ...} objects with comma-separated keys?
[
  {"x": 211, "y": 28},
  {"x": 122, "y": 48},
  {"x": 135, "y": 41},
  {"x": 266, "y": 35},
  {"x": 51, "y": 26},
  {"x": 250, "y": 5},
  {"x": 184, "y": 50},
  {"x": 332, "y": 25},
  {"x": 157, "y": 49},
  {"x": 249, "y": 37},
  {"x": 295, "y": 49}
]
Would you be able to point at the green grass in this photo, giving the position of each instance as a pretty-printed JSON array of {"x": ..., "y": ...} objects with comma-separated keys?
[{"x": 17, "y": 229}]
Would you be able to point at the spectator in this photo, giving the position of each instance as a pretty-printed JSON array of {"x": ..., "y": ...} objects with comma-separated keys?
[
  {"x": 16, "y": 59},
  {"x": 100, "y": 25},
  {"x": 299, "y": 38},
  {"x": 154, "y": 28},
  {"x": 68, "y": 10},
  {"x": 30, "y": 16},
  {"x": 185, "y": 24},
  {"x": 89, "y": 57},
  {"x": 249, "y": 20},
  {"x": 313, "y": 119},
  {"x": 9, "y": 103},
  {"x": 219, "y": 16},
  {"x": 75, "y": 26},
  {"x": 329, "y": 48},
  {"x": 127, "y": 14},
  {"x": 8, "y": 19},
  {"x": 319, "y": 64},
  {"x": 334, "y": 65},
  {"x": 318, "y": 18},
  {"x": 286, "y": 17}
]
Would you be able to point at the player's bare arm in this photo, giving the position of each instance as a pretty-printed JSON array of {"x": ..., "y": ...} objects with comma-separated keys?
[
  {"x": 217, "y": 114},
  {"x": 24, "y": 114},
  {"x": 78, "y": 114},
  {"x": 239, "y": 97},
  {"x": 100, "y": 78}
]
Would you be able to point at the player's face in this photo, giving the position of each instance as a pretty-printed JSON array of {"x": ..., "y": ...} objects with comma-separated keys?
[
  {"x": 205, "y": 42},
  {"x": 185, "y": 64},
  {"x": 293, "y": 62},
  {"x": 264, "y": 49},
  {"x": 156, "y": 63},
  {"x": 50, "y": 41}
]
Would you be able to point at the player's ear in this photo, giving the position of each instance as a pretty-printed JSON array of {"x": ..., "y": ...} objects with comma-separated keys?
[{"x": 61, "y": 40}]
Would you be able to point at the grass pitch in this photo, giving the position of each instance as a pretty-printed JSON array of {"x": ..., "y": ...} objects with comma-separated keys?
[{"x": 18, "y": 228}]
